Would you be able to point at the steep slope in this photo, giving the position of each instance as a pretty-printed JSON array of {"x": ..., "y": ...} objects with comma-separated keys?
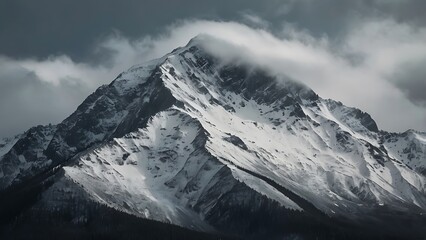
[
  {"x": 409, "y": 147},
  {"x": 111, "y": 111},
  {"x": 163, "y": 172},
  {"x": 188, "y": 140},
  {"x": 7, "y": 143},
  {"x": 24, "y": 156}
]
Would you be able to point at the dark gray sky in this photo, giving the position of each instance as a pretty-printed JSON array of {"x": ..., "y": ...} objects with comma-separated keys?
[
  {"x": 45, "y": 27},
  {"x": 53, "y": 53}
]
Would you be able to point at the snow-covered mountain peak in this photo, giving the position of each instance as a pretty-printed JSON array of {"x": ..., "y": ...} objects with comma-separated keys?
[
  {"x": 281, "y": 130},
  {"x": 190, "y": 140}
]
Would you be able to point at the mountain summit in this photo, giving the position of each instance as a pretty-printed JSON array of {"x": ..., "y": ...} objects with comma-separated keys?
[{"x": 218, "y": 148}]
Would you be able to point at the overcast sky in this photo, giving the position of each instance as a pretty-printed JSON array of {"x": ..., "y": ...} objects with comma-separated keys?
[{"x": 370, "y": 54}]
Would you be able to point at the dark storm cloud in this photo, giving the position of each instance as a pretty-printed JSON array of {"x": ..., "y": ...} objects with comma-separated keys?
[
  {"x": 412, "y": 80},
  {"x": 45, "y": 27},
  {"x": 411, "y": 11}
]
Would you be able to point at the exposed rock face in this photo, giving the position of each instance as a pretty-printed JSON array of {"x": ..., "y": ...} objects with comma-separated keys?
[{"x": 26, "y": 158}]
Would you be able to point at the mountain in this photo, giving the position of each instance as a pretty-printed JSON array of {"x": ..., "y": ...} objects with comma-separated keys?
[{"x": 219, "y": 148}]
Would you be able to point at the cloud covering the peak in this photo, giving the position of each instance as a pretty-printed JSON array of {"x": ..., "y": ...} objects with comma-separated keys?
[{"x": 376, "y": 65}]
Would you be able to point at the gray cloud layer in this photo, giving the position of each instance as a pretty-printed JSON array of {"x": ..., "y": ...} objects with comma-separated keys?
[
  {"x": 368, "y": 54},
  {"x": 44, "y": 27}
]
